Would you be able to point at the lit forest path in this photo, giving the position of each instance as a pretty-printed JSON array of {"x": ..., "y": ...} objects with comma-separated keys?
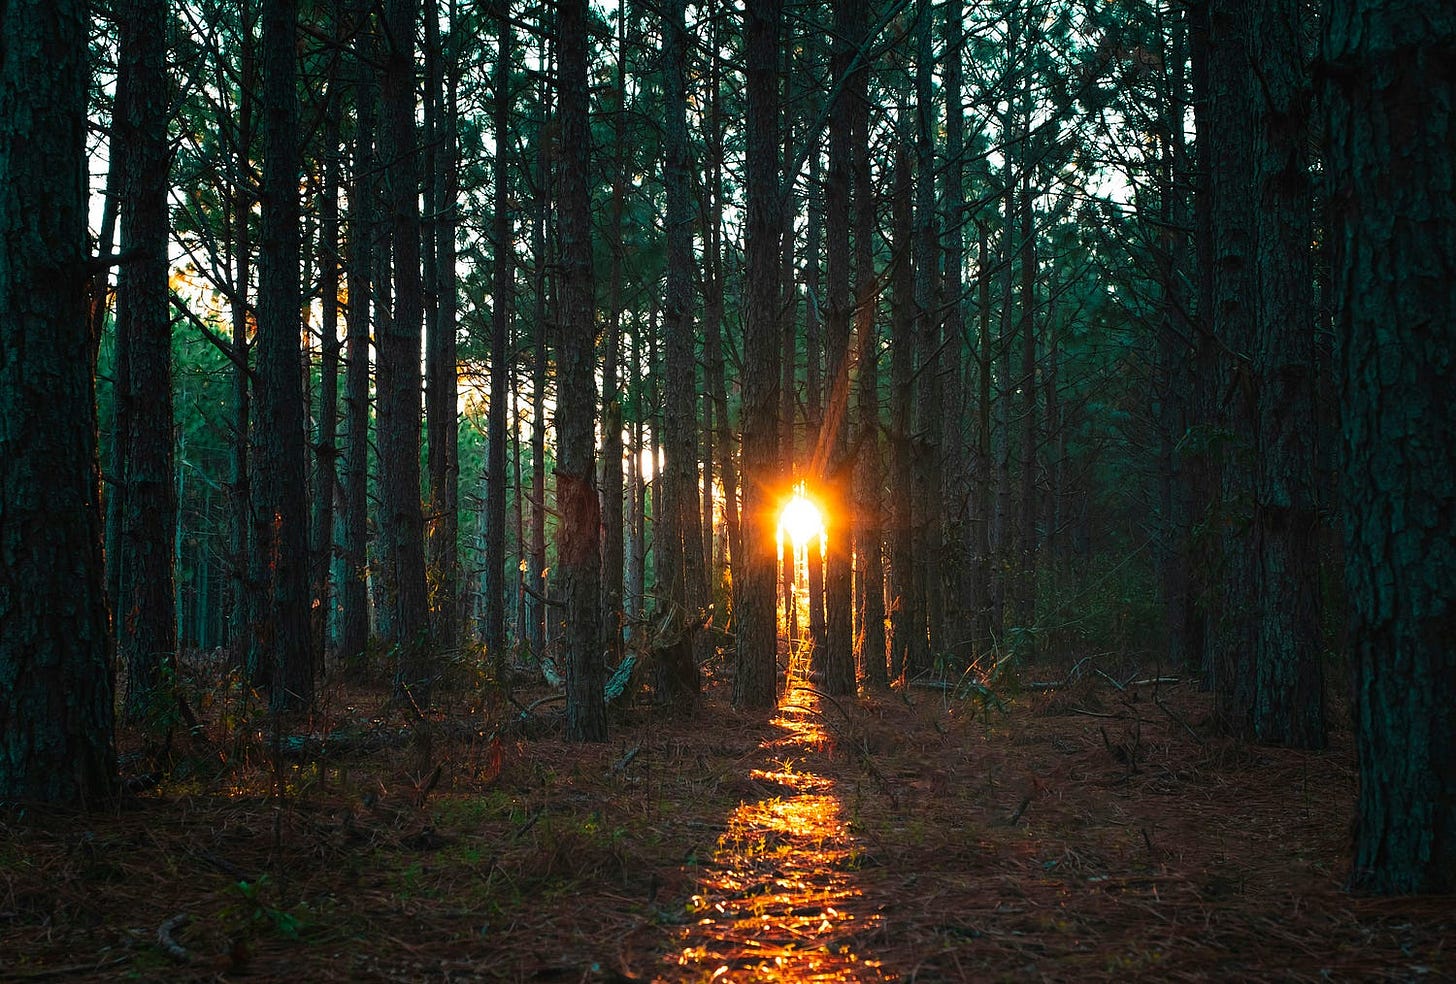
[{"x": 780, "y": 899}]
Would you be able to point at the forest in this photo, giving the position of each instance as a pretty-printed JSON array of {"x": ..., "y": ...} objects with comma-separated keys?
[{"x": 625, "y": 490}]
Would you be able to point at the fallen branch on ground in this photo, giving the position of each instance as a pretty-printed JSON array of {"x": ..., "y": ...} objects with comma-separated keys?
[{"x": 169, "y": 945}]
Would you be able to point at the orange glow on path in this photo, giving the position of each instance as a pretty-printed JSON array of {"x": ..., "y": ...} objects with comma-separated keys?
[{"x": 779, "y": 900}]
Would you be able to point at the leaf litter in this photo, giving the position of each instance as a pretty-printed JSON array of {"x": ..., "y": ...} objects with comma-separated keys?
[{"x": 1074, "y": 833}]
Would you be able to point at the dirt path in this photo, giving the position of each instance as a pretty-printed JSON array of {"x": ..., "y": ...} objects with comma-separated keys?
[{"x": 780, "y": 900}]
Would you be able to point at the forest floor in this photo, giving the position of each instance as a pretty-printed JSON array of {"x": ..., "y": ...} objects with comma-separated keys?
[{"x": 1094, "y": 831}]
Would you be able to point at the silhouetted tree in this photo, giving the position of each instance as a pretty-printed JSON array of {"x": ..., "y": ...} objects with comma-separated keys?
[
  {"x": 754, "y": 602},
  {"x": 146, "y": 623},
  {"x": 55, "y": 647},
  {"x": 282, "y": 517}
]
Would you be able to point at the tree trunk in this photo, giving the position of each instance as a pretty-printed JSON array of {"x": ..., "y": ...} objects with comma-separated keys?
[
  {"x": 955, "y": 495},
  {"x": 536, "y": 575},
  {"x": 679, "y": 527},
  {"x": 401, "y": 524},
  {"x": 326, "y": 453},
  {"x": 281, "y": 444},
  {"x": 353, "y": 588},
  {"x": 55, "y": 666},
  {"x": 814, "y": 399},
  {"x": 926, "y": 504},
  {"x": 145, "y": 606},
  {"x": 906, "y": 618},
  {"x": 442, "y": 389},
  {"x": 502, "y": 298},
  {"x": 1392, "y": 171},
  {"x": 868, "y": 534},
  {"x": 755, "y": 683},
  {"x": 831, "y": 469},
  {"x": 985, "y": 634},
  {"x": 1289, "y": 684},
  {"x": 1026, "y": 575},
  {"x": 579, "y": 535},
  {"x": 1232, "y": 103},
  {"x": 613, "y": 523},
  {"x": 713, "y": 320}
]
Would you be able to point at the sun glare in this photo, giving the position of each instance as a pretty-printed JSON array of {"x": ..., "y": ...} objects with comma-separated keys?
[{"x": 800, "y": 520}]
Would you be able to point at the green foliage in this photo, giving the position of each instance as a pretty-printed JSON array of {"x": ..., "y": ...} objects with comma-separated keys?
[
  {"x": 260, "y": 914},
  {"x": 1100, "y": 604}
]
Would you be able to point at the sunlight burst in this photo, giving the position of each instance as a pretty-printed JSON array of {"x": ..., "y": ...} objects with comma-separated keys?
[{"x": 800, "y": 520}]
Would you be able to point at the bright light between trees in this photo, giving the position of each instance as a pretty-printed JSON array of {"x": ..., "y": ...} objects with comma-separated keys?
[{"x": 800, "y": 520}]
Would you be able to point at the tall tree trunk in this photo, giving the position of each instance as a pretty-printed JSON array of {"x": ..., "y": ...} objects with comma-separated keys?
[
  {"x": 401, "y": 523},
  {"x": 1389, "y": 159},
  {"x": 1026, "y": 567},
  {"x": 789, "y": 471},
  {"x": 955, "y": 622},
  {"x": 868, "y": 534},
  {"x": 326, "y": 452},
  {"x": 55, "y": 667},
  {"x": 613, "y": 525},
  {"x": 985, "y": 488},
  {"x": 1289, "y": 650},
  {"x": 832, "y": 468},
  {"x": 1202, "y": 393},
  {"x": 679, "y": 527},
  {"x": 442, "y": 388},
  {"x": 713, "y": 326},
  {"x": 502, "y": 298},
  {"x": 246, "y": 601},
  {"x": 814, "y": 398},
  {"x": 281, "y": 442},
  {"x": 636, "y": 577},
  {"x": 1230, "y": 643},
  {"x": 579, "y": 535},
  {"x": 714, "y": 366},
  {"x": 906, "y": 618},
  {"x": 146, "y": 609},
  {"x": 1177, "y": 368},
  {"x": 755, "y": 684},
  {"x": 360, "y": 262},
  {"x": 928, "y": 403},
  {"x": 536, "y": 576}
]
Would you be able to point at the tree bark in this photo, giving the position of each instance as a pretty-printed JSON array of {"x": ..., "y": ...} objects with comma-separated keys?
[
  {"x": 906, "y": 616},
  {"x": 281, "y": 442},
  {"x": 1289, "y": 649},
  {"x": 1391, "y": 170},
  {"x": 360, "y": 263},
  {"x": 613, "y": 522},
  {"x": 868, "y": 534},
  {"x": 832, "y": 471},
  {"x": 579, "y": 535},
  {"x": 401, "y": 524},
  {"x": 55, "y": 667},
  {"x": 502, "y": 298},
  {"x": 1232, "y": 103},
  {"x": 754, "y": 605},
  {"x": 679, "y": 527},
  {"x": 326, "y": 451},
  {"x": 442, "y": 388},
  {"x": 146, "y": 623},
  {"x": 926, "y": 504}
]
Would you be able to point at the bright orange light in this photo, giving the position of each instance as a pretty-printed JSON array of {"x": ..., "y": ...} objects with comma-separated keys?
[{"x": 800, "y": 520}]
